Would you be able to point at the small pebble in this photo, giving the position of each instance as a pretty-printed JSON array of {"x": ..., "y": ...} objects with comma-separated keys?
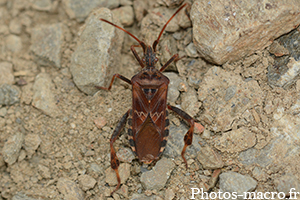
[
  {"x": 15, "y": 26},
  {"x": 286, "y": 182},
  {"x": 21, "y": 196},
  {"x": 236, "y": 140},
  {"x": 73, "y": 125},
  {"x": 6, "y": 73},
  {"x": 86, "y": 182},
  {"x": 235, "y": 182},
  {"x": 43, "y": 97},
  {"x": 100, "y": 122},
  {"x": 190, "y": 103},
  {"x": 44, "y": 171},
  {"x": 69, "y": 189},
  {"x": 209, "y": 158},
  {"x": 123, "y": 191},
  {"x": 124, "y": 171},
  {"x": 3, "y": 111},
  {"x": 191, "y": 50},
  {"x": 95, "y": 168},
  {"x": 175, "y": 80},
  {"x": 125, "y": 155},
  {"x": 258, "y": 174},
  {"x": 47, "y": 41},
  {"x": 169, "y": 194},
  {"x": 22, "y": 155},
  {"x": 199, "y": 128},
  {"x": 206, "y": 134},
  {"x": 31, "y": 143},
  {"x": 9, "y": 94},
  {"x": 159, "y": 175},
  {"x": 79, "y": 10},
  {"x": 42, "y": 5},
  {"x": 13, "y": 43},
  {"x": 125, "y": 15},
  {"x": 298, "y": 86},
  {"x": 12, "y": 147},
  {"x": 4, "y": 29}
]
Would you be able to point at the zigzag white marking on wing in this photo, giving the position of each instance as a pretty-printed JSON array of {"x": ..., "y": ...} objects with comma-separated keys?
[
  {"x": 152, "y": 115},
  {"x": 140, "y": 114},
  {"x": 156, "y": 114}
]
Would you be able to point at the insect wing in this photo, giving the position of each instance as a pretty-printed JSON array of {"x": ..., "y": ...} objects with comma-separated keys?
[{"x": 148, "y": 122}]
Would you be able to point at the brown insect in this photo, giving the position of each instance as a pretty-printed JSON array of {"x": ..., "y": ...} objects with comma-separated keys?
[{"x": 148, "y": 118}]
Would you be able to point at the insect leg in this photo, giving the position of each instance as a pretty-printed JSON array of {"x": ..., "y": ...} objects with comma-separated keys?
[
  {"x": 162, "y": 30},
  {"x": 173, "y": 58},
  {"x": 112, "y": 80},
  {"x": 114, "y": 161},
  {"x": 188, "y": 138},
  {"x": 136, "y": 55}
]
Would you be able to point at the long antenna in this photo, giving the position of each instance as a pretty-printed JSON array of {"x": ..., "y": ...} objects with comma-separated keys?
[
  {"x": 162, "y": 30},
  {"x": 140, "y": 42}
]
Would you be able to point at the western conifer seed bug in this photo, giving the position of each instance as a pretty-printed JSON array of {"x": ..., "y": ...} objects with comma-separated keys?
[{"x": 148, "y": 118}]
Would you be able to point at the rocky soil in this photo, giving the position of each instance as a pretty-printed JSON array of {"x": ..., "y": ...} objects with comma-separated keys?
[{"x": 239, "y": 78}]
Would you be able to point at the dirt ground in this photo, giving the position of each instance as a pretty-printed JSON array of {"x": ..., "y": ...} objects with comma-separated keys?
[{"x": 76, "y": 141}]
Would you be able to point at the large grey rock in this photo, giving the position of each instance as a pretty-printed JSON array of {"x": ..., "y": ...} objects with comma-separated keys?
[
  {"x": 229, "y": 30},
  {"x": 97, "y": 55}
]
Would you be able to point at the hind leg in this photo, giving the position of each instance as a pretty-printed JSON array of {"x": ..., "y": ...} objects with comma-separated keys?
[
  {"x": 188, "y": 138},
  {"x": 114, "y": 161}
]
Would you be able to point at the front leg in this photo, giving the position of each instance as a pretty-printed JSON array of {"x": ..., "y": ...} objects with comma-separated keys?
[
  {"x": 188, "y": 138},
  {"x": 112, "y": 81},
  {"x": 114, "y": 161}
]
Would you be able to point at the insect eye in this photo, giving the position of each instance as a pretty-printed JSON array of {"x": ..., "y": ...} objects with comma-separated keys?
[
  {"x": 153, "y": 91},
  {"x": 146, "y": 91}
]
